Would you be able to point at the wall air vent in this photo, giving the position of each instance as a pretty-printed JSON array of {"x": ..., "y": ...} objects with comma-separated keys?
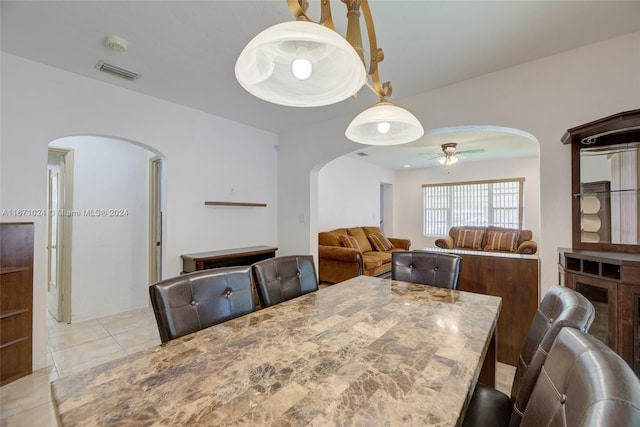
[
  {"x": 116, "y": 71},
  {"x": 361, "y": 154}
]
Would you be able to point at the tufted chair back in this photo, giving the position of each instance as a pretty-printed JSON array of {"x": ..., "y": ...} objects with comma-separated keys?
[
  {"x": 561, "y": 307},
  {"x": 283, "y": 278},
  {"x": 583, "y": 383},
  {"x": 435, "y": 269},
  {"x": 197, "y": 300}
]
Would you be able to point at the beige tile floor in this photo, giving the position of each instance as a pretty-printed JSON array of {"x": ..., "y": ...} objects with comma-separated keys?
[
  {"x": 27, "y": 402},
  {"x": 71, "y": 348}
]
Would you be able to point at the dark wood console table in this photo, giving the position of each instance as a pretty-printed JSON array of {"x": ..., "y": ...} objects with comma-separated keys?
[
  {"x": 226, "y": 258},
  {"x": 512, "y": 277}
]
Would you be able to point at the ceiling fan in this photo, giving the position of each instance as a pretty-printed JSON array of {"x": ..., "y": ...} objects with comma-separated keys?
[{"x": 450, "y": 153}]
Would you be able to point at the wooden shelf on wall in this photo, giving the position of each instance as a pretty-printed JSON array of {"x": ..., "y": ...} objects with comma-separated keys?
[{"x": 258, "y": 205}]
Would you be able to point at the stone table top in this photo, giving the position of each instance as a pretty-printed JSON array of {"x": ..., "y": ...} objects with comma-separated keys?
[{"x": 366, "y": 351}]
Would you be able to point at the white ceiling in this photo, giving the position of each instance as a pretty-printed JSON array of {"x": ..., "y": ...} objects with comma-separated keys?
[{"x": 186, "y": 50}]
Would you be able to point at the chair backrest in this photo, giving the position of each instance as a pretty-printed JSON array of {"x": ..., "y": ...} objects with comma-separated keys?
[
  {"x": 583, "y": 383},
  {"x": 283, "y": 278},
  {"x": 561, "y": 307},
  {"x": 197, "y": 300},
  {"x": 429, "y": 268}
]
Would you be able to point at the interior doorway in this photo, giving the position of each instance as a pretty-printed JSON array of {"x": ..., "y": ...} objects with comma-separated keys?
[
  {"x": 60, "y": 210},
  {"x": 110, "y": 215},
  {"x": 386, "y": 208}
]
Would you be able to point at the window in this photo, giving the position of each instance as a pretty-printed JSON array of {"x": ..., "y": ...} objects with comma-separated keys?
[{"x": 477, "y": 203}]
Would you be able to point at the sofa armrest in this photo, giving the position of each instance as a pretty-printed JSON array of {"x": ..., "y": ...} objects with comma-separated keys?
[
  {"x": 400, "y": 243},
  {"x": 528, "y": 247},
  {"x": 445, "y": 242},
  {"x": 338, "y": 253},
  {"x": 337, "y": 264}
]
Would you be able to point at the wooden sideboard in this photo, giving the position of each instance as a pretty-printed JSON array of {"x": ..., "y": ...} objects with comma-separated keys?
[
  {"x": 514, "y": 278},
  {"x": 226, "y": 258},
  {"x": 16, "y": 302},
  {"x": 611, "y": 281}
]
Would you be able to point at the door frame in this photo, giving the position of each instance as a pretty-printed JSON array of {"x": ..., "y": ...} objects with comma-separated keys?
[
  {"x": 65, "y": 224},
  {"x": 155, "y": 219}
]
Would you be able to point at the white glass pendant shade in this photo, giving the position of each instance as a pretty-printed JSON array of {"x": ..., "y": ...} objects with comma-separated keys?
[
  {"x": 332, "y": 72},
  {"x": 384, "y": 124}
]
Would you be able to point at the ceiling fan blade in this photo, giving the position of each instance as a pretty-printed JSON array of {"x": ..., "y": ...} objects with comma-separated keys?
[
  {"x": 429, "y": 154},
  {"x": 479, "y": 150}
]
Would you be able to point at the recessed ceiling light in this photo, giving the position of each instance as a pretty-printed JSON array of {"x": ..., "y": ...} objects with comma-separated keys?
[{"x": 406, "y": 166}]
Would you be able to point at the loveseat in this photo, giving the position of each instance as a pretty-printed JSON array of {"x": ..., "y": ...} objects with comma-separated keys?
[
  {"x": 344, "y": 253},
  {"x": 495, "y": 239}
]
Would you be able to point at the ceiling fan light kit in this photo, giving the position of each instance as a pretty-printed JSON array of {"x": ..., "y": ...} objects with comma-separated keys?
[{"x": 308, "y": 64}]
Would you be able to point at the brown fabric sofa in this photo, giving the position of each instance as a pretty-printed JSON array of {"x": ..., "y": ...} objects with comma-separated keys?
[
  {"x": 495, "y": 239},
  {"x": 337, "y": 263}
]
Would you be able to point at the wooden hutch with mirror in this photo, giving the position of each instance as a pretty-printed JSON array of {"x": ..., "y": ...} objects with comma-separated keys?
[{"x": 604, "y": 261}]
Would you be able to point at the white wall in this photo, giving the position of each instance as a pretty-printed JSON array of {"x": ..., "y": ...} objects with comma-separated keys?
[
  {"x": 409, "y": 191},
  {"x": 349, "y": 193},
  {"x": 110, "y": 252},
  {"x": 543, "y": 97},
  {"x": 204, "y": 157}
]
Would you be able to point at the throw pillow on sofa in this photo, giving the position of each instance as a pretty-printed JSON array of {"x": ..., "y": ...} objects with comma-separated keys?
[
  {"x": 502, "y": 241},
  {"x": 470, "y": 238},
  {"x": 349, "y": 242},
  {"x": 380, "y": 242}
]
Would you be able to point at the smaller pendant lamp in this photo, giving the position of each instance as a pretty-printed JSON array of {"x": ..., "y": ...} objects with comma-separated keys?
[{"x": 384, "y": 124}]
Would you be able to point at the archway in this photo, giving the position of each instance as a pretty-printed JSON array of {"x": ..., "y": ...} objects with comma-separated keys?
[{"x": 108, "y": 227}]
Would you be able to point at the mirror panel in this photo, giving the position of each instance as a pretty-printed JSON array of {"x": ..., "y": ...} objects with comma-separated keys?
[{"x": 609, "y": 194}]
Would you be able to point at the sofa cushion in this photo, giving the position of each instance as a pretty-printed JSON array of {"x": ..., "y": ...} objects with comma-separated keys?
[
  {"x": 361, "y": 237},
  {"x": 384, "y": 257},
  {"x": 331, "y": 238},
  {"x": 470, "y": 238},
  {"x": 523, "y": 237},
  {"x": 502, "y": 241},
  {"x": 349, "y": 242},
  {"x": 380, "y": 242},
  {"x": 371, "y": 261}
]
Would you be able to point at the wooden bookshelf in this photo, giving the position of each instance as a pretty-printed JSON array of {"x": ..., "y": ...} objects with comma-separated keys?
[{"x": 16, "y": 304}]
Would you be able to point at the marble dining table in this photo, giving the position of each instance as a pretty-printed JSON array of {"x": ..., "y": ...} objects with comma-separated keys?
[{"x": 364, "y": 352}]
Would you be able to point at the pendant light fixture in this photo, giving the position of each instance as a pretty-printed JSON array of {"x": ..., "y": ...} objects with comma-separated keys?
[
  {"x": 384, "y": 124},
  {"x": 307, "y": 64},
  {"x": 300, "y": 64}
]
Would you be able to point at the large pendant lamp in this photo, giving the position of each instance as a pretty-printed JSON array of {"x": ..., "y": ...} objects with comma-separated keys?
[
  {"x": 308, "y": 64},
  {"x": 300, "y": 64}
]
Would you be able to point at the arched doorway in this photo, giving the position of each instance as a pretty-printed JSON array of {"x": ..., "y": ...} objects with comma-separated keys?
[{"x": 100, "y": 226}]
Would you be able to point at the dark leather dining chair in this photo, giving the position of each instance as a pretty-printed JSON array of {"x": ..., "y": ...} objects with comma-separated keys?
[
  {"x": 583, "y": 383},
  {"x": 283, "y": 278},
  {"x": 197, "y": 300},
  {"x": 435, "y": 269},
  {"x": 561, "y": 307}
]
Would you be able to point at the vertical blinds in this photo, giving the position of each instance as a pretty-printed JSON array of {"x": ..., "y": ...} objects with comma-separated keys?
[{"x": 479, "y": 203}]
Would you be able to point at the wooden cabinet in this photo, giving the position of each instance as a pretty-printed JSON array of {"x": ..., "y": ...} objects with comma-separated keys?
[
  {"x": 611, "y": 281},
  {"x": 16, "y": 300},
  {"x": 605, "y": 183},
  {"x": 512, "y": 277}
]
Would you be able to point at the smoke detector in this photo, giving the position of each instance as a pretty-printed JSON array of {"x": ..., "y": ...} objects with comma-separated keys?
[{"x": 116, "y": 43}]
